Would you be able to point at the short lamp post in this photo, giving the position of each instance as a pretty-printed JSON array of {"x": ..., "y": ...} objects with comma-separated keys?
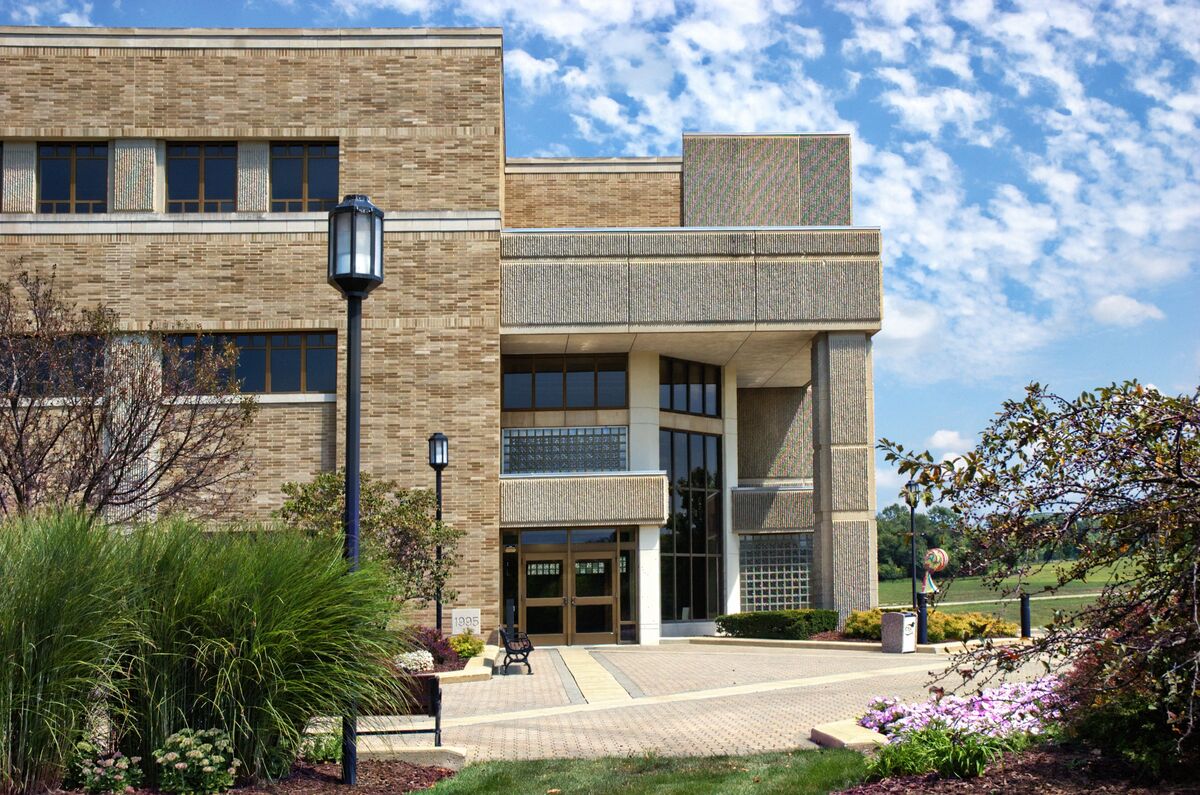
[
  {"x": 910, "y": 496},
  {"x": 439, "y": 457},
  {"x": 355, "y": 268}
]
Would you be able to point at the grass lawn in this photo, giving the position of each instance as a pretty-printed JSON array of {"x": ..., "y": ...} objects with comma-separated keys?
[
  {"x": 899, "y": 592},
  {"x": 795, "y": 772},
  {"x": 1041, "y": 611}
]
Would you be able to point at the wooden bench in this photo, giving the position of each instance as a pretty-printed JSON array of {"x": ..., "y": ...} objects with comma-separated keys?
[
  {"x": 516, "y": 649},
  {"x": 426, "y": 692}
]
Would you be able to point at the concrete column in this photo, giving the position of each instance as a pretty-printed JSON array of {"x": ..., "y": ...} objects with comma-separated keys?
[
  {"x": 729, "y": 465},
  {"x": 253, "y": 177},
  {"x": 133, "y": 169},
  {"x": 643, "y": 411},
  {"x": 18, "y": 180},
  {"x": 649, "y": 586},
  {"x": 845, "y": 575}
]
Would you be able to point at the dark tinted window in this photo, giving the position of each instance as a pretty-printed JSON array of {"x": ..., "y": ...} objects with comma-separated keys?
[
  {"x": 581, "y": 382},
  {"x": 285, "y": 363},
  {"x": 689, "y": 387},
  {"x": 692, "y": 537},
  {"x": 73, "y": 178},
  {"x": 274, "y": 362},
  {"x": 304, "y": 177},
  {"x": 201, "y": 177},
  {"x": 548, "y": 383},
  {"x": 557, "y": 382},
  {"x": 517, "y": 387},
  {"x": 610, "y": 382},
  {"x": 320, "y": 363}
]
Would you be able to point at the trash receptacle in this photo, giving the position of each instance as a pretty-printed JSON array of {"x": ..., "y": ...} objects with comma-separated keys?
[{"x": 899, "y": 633}]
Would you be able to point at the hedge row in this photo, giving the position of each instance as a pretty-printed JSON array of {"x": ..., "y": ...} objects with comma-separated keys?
[
  {"x": 778, "y": 624},
  {"x": 867, "y": 625}
]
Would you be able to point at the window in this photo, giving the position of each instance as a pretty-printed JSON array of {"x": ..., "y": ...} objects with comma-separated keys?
[
  {"x": 72, "y": 178},
  {"x": 564, "y": 382},
  {"x": 41, "y": 367},
  {"x": 304, "y": 177},
  {"x": 201, "y": 177},
  {"x": 268, "y": 363},
  {"x": 692, "y": 540},
  {"x": 689, "y": 387}
]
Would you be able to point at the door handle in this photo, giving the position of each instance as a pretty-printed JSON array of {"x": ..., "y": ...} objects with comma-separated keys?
[
  {"x": 565, "y": 601},
  {"x": 572, "y": 601}
]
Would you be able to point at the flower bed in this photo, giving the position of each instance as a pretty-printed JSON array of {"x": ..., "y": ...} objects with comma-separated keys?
[{"x": 1014, "y": 708}]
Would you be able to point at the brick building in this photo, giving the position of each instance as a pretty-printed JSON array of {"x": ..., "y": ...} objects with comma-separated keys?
[{"x": 655, "y": 373}]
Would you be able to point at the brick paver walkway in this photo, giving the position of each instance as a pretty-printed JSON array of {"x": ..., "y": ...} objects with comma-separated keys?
[{"x": 685, "y": 701}]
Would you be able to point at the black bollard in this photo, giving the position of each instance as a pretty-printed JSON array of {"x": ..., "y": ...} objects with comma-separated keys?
[
  {"x": 922, "y": 619},
  {"x": 1026, "y": 620}
]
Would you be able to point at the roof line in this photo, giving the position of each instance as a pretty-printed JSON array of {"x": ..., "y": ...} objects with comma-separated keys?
[{"x": 250, "y": 38}]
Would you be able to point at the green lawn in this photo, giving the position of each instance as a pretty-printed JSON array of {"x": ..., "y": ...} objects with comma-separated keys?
[
  {"x": 1041, "y": 611},
  {"x": 899, "y": 592},
  {"x": 796, "y": 772}
]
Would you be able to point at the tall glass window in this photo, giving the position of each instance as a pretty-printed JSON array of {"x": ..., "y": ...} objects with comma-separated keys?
[
  {"x": 73, "y": 178},
  {"x": 692, "y": 538},
  {"x": 689, "y": 387},
  {"x": 304, "y": 177},
  {"x": 201, "y": 177}
]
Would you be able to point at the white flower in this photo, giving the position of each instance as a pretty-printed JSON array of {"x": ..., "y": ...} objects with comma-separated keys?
[{"x": 415, "y": 661}]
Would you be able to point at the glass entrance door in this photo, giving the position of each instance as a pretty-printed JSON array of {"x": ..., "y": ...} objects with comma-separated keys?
[
  {"x": 545, "y": 599},
  {"x": 594, "y": 598}
]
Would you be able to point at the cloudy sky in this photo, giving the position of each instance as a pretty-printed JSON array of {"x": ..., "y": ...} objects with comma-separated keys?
[{"x": 1033, "y": 165}]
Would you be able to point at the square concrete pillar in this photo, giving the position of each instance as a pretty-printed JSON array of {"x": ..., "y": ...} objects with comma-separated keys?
[
  {"x": 649, "y": 586},
  {"x": 18, "y": 180},
  {"x": 729, "y": 467},
  {"x": 253, "y": 177},
  {"x": 643, "y": 411},
  {"x": 845, "y": 559}
]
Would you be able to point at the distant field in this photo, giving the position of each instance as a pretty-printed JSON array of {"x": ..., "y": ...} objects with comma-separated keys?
[
  {"x": 970, "y": 589},
  {"x": 1041, "y": 611}
]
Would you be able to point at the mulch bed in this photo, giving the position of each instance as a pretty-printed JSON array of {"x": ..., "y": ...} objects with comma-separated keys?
[
  {"x": 375, "y": 777},
  {"x": 1044, "y": 771}
]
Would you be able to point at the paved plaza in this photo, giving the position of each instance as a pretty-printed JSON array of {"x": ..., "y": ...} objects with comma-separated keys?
[{"x": 674, "y": 700}]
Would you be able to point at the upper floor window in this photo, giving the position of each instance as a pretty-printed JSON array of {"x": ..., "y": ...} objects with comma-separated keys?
[
  {"x": 201, "y": 177},
  {"x": 73, "y": 178},
  {"x": 689, "y": 387},
  {"x": 288, "y": 362},
  {"x": 564, "y": 382},
  {"x": 304, "y": 177}
]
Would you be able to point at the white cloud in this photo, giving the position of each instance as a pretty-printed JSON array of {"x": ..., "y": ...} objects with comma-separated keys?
[
  {"x": 59, "y": 12},
  {"x": 1121, "y": 310},
  {"x": 534, "y": 74},
  {"x": 946, "y": 442}
]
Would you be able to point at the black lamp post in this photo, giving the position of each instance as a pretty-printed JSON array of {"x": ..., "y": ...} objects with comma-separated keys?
[
  {"x": 910, "y": 496},
  {"x": 355, "y": 268},
  {"x": 439, "y": 457}
]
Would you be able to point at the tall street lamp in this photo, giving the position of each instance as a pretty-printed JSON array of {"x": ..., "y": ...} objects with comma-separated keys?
[
  {"x": 439, "y": 457},
  {"x": 355, "y": 268},
  {"x": 910, "y": 496}
]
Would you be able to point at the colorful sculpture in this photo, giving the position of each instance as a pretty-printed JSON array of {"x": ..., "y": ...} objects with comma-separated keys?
[{"x": 936, "y": 559}]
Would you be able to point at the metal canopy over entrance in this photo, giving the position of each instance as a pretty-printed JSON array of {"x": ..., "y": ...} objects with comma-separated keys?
[{"x": 572, "y": 586}]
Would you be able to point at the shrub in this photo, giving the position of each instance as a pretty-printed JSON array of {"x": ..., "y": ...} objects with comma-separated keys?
[
  {"x": 111, "y": 773},
  {"x": 254, "y": 632},
  {"x": 778, "y": 624},
  {"x": 196, "y": 762},
  {"x": 415, "y": 661},
  {"x": 61, "y": 627},
  {"x": 318, "y": 748},
  {"x": 1010, "y": 710},
  {"x": 868, "y": 624},
  {"x": 433, "y": 642},
  {"x": 953, "y": 754},
  {"x": 467, "y": 645}
]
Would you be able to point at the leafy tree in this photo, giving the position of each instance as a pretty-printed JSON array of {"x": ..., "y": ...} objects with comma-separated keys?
[
  {"x": 396, "y": 525},
  {"x": 1115, "y": 475},
  {"x": 935, "y": 528},
  {"x": 109, "y": 422}
]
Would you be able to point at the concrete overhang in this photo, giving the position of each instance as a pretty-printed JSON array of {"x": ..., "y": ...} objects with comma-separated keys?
[{"x": 584, "y": 499}]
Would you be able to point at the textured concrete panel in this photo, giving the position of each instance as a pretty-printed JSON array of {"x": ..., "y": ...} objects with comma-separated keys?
[
  {"x": 253, "y": 176},
  {"x": 707, "y": 179},
  {"x": 765, "y": 170},
  {"x": 801, "y": 290},
  {"x": 808, "y": 241},
  {"x": 855, "y": 565},
  {"x": 588, "y": 500},
  {"x": 774, "y": 433},
  {"x": 564, "y": 293},
  {"x": 664, "y": 293},
  {"x": 772, "y": 509},
  {"x": 19, "y": 184},
  {"x": 850, "y": 478},
  {"x": 133, "y": 174},
  {"x": 651, "y": 244},
  {"x": 564, "y": 244},
  {"x": 850, "y": 384},
  {"x": 824, "y": 180}
]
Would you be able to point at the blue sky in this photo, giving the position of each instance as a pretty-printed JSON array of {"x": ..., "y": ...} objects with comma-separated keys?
[{"x": 1033, "y": 165}]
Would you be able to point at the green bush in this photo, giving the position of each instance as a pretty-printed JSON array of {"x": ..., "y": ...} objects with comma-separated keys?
[
  {"x": 111, "y": 773},
  {"x": 255, "y": 633},
  {"x": 778, "y": 624},
  {"x": 61, "y": 629},
  {"x": 935, "y": 748},
  {"x": 196, "y": 762},
  {"x": 868, "y": 625},
  {"x": 318, "y": 748},
  {"x": 467, "y": 645}
]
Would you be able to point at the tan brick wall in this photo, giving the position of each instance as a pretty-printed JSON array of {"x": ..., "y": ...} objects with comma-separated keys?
[
  {"x": 591, "y": 199},
  {"x": 431, "y": 352},
  {"x": 421, "y": 128}
]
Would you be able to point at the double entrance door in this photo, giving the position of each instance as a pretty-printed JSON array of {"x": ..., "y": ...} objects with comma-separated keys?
[{"x": 569, "y": 596}]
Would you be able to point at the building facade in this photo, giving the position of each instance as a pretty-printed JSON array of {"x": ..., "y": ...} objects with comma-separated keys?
[{"x": 655, "y": 373}]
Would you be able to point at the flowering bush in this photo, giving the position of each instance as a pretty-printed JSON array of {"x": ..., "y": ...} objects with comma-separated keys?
[
  {"x": 867, "y": 624},
  {"x": 115, "y": 773},
  {"x": 196, "y": 762},
  {"x": 415, "y": 661},
  {"x": 1018, "y": 708},
  {"x": 467, "y": 645},
  {"x": 432, "y": 641}
]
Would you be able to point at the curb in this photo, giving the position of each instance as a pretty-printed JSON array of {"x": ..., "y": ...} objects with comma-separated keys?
[
  {"x": 953, "y": 647},
  {"x": 384, "y": 747},
  {"x": 477, "y": 669},
  {"x": 846, "y": 734}
]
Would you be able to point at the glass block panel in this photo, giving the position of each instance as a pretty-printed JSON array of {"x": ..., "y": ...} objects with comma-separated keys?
[
  {"x": 775, "y": 571},
  {"x": 602, "y": 448}
]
